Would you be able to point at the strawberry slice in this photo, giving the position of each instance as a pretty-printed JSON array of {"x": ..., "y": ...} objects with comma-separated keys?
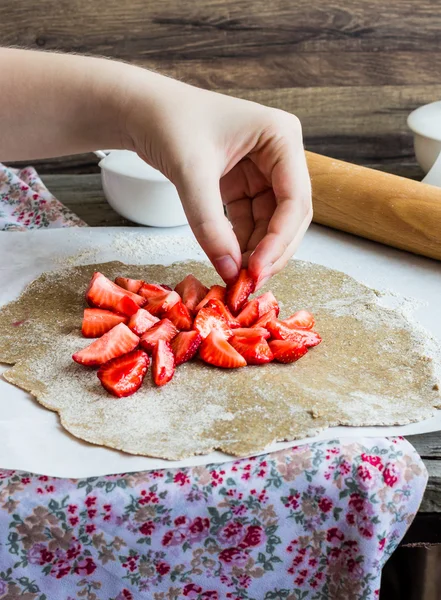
[
  {"x": 249, "y": 313},
  {"x": 257, "y": 308},
  {"x": 163, "y": 363},
  {"x": 192, "y": 291},
  {"x": 280, "y": 331},
  {"x": 265, "y": 319},
  {"x": 287, "y": 351},
  {"x": 185, "y": 345},
  {"x": 267, "y": 302},
  {"x": 302, "y": 319},
  {"x": 219, "y": 307},
  {"x": 216, "y": 351},
  {"x": 238, "y": 292},
  {"x": 309, "y": 337},
  {"x": 131, "y": 285},
  {"x": 124, "y": 375},
  {"x": 114, "y": 343},
  {"x": 253, "y": 333},
  {"x": 127, "y": 306},
  {"x": 141, "y": 321},
  {"x": 166, "y": 287},
  {"x": 180, "y": 316},
  {"x": 216, "y": 291},
  {"x": 159, "y": 305},
  {"x": 103, "y": 293},
  {"x": 209, "y": 319},
  {"x": 254, "y": 350},
  {"x": 97, "y": 322},
  {"x": 163, "y": 330},
  {"x": 152, "y": 290}
]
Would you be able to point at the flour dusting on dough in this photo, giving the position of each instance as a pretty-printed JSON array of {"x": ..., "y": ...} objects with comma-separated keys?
[{"x": 374, "y": 367}]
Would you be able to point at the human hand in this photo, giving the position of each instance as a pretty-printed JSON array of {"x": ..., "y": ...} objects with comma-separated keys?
[{"x": 218, "y": 151}]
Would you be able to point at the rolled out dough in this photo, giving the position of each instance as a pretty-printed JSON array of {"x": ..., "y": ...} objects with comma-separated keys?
[{"x": 372, "y": 368}]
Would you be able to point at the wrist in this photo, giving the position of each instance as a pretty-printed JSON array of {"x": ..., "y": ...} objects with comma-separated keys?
[
  {"x": 105, "y": 112},
  {"x": 142, "y": 100}
]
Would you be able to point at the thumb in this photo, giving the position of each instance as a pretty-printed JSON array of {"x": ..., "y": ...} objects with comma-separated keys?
[{"x": 202, "y": 202}]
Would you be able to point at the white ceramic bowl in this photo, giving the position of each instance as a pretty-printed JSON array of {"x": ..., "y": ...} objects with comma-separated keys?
[
  {"x": 425, "y": 122},
  {"x": 138, "y": 192}
]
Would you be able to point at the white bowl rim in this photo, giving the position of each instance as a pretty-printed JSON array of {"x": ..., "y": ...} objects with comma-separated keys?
[
  {"x": 156, "y": 177},
  {"x": 422, "y": 129}
]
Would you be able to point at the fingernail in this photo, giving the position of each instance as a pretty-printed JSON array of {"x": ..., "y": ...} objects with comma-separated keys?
[{"x": 226, "y": 267}]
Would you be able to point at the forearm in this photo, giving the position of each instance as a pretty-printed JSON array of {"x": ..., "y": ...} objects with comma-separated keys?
[{"x": 57, "y": 104}]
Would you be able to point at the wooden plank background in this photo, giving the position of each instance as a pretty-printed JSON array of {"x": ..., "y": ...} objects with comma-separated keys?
[{"x": 352, "y": 70}]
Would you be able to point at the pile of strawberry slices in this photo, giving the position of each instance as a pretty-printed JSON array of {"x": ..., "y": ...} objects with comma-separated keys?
[{"x": 138, "y": 322}]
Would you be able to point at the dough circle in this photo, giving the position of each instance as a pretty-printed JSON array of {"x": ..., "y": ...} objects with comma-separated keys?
[{"x": 371, "y": 369}]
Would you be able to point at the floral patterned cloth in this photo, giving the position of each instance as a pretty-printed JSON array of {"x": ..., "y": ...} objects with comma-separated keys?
[
  {"x": 26, "y": 203},
  {"x": 315, "y": 522}
]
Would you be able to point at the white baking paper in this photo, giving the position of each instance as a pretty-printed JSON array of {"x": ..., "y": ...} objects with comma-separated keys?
[{"x": 31, "y": 438}]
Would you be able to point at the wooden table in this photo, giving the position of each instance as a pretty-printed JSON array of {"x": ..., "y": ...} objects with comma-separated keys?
[{"x": 83, "y": 195}]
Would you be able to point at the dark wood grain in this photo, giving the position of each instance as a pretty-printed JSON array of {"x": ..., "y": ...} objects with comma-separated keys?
[
  {"x": 428, "y": 445},
  {"x": 178, "y": 30},
  {"x": 303, "y": 69},
  {"x": 432, "y": 497},
  {"x": 84, "y": 195}
]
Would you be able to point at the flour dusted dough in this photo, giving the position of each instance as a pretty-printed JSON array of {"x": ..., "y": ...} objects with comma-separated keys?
[{"x": 371, "y": 369}]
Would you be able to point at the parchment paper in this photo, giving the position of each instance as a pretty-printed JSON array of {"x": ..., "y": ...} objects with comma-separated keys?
[{"x": 31, "y": 437}]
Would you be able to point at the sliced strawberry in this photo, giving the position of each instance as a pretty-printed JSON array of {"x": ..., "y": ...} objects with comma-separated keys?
[
  {"x": 180, "y": 316},
  {"x": 216, "y": 351},
  {"x": 141, "y": 321},
  {"x": 254, "y": 350},
  {"x": 249, "y": 313},
  {"x": 192, "y": 291},
  {"x": 97, "y": 322},
  {"x": 237, "y": 294},
  {"x": 222, "y": 310},
  {"x": 114, "y": 343},
  {"x": 159, "y": 305},
  {"x": 126, "y": 306},
  {"x": 152, "y": 290},
  {"x": 302, "y": 319},
  {"x": 267, "y": 302},
  {"x": 163, "y": 330},
  {"x": 103, "y": 293},
  {"x": 257, "y": 308},
  {"x": 253, "y": 332},
  {"x": 185, "y": 345},
  {"x": 265, "y": 319},
  {"x": 208, "y": 319},
  {"x": 124, "y": 375},
  {"x": 287, "y": 351},
  {"x": 166, "y": 287},
  {"x": 280, "y": 331},
  {"x": 132, "y": 285},
  {"x": 163, "y": 363},
  {"x": 309, "y": 337},
  {"x": 216, "y": 291}
]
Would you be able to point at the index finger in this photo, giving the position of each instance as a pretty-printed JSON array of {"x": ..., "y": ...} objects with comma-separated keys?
[{"x": 292, "y": 191}]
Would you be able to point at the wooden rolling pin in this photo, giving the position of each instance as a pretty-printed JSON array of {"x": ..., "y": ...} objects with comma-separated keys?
[{"x": 393, "y": 210}]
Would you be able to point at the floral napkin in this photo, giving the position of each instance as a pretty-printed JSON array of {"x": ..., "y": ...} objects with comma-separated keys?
[{"x": 26, "y": 203}]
